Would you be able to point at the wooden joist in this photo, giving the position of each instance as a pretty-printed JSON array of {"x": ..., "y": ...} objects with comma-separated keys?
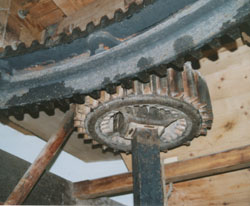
[{"x": 174, "y": 172}]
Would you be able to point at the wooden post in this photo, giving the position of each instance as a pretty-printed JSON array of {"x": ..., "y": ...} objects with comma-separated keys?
[{"x": 34, "y": 172}]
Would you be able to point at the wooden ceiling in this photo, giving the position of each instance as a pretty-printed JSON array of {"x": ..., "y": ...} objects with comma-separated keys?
[{"x": 41, "y": 14}]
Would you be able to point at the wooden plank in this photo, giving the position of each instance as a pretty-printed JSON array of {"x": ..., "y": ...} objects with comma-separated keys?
[
  {"x": 231, "y": 189},
  {"x": 174, "y": 172}
]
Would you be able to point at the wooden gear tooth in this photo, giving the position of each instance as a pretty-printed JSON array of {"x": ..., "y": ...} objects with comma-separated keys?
[
  {"x": 163, "y": 86},
  {"x": 81, "y": 130},
  {"x": 77, "y": 123},
  {"x": 147, "y": 89},
  {"x": 95, "y": 142},
  {"x": 104, "y": 147},
  {"x": 171, "y": 83},
  {"x": 105, "y": 97},
  {"x": 137, "y": 87},
  {"x": 154, "y": 83},
  {"x": 87, "y": 137},
  {"x": 91, "y": 102}
]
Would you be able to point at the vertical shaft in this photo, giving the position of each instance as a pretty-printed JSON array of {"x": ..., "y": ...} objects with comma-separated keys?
[
  {"x": 34, "y": 172},
  {"x": 148, "y": 184}
]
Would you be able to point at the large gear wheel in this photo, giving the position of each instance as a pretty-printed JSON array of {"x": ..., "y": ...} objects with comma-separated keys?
[{"x": 177, "y": 104}]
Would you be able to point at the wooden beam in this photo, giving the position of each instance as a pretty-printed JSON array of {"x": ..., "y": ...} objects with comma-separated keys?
[
  {"x": 31, "y": 177},
  {"x": 213, "y": 164}
]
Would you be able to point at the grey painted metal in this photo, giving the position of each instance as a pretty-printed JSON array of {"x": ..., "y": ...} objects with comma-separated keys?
[
  {"x": 147, "y": 175},
  {"x": 161, "y": 44}
]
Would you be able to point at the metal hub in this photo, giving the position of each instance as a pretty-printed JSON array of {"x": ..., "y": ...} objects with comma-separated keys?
[{"x": 174, "y": 105}]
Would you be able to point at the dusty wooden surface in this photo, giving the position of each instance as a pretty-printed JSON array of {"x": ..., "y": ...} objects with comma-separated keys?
[{"x": 174, "y": 172}]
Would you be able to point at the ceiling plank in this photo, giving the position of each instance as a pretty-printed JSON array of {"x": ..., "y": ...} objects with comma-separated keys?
[{"x": 69, "y": 7}]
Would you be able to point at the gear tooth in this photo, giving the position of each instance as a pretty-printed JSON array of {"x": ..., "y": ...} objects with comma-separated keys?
[
  {"x": 95, "y": 142},
  {"x": 172, "y": 83},
  {"x": 78, "y": 116},
  {"x": 104, "y": 97},
  {"x": 154, "y": 83},
  {"x": 203, "y": 131},
  {"x": 143, "y": 77},
  {"x": 63, "y": 104},
  {"x": 165, "y": 150},
  {"x": 90, "y": 27},
  {"x": 188, "y": 143},
  {"x": 120, "y": 91},
  {"x": 48, "y": 108},
  {"x": 91, "y": 103},
  {"x": 81, "y": 130},
  {"x": 111, "y": 88},
  {"x": 178, "y": 64},
  {"x": 163, "y": 86},
  {"x": 161, "y": 71},
  {"x": 192, "y": 85},
  {"x": 245, "y": 33},
  {"x": 137, "y": 87},
  {"x": 95, "y": 94},
  {"x": 179, "y": 131},
  {"x": 32, "y": 110},
  {"x": 147, "y": 89},
  {"x": 157, "y": 85},
  {"x": 210, "y": 53},
  {"x": 186, "y": 87},
  {"x": 104, "y": 147},
  {"x": 228, "y": 42},
  {"x": 78, "y": 99},
  {"x": 194, "y": 61},
  {"x": 104, "y": 21},
  {"x": 87, "y": 137}
]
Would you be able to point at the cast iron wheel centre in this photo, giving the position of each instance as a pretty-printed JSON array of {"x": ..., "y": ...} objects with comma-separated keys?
[{"x": 114, "y": 123}]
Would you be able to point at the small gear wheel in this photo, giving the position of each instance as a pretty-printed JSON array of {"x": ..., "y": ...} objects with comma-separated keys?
[{"x": 177, "y": 104}]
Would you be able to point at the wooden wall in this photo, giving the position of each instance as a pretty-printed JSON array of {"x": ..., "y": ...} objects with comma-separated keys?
[{"x": 67, "y": 14}]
